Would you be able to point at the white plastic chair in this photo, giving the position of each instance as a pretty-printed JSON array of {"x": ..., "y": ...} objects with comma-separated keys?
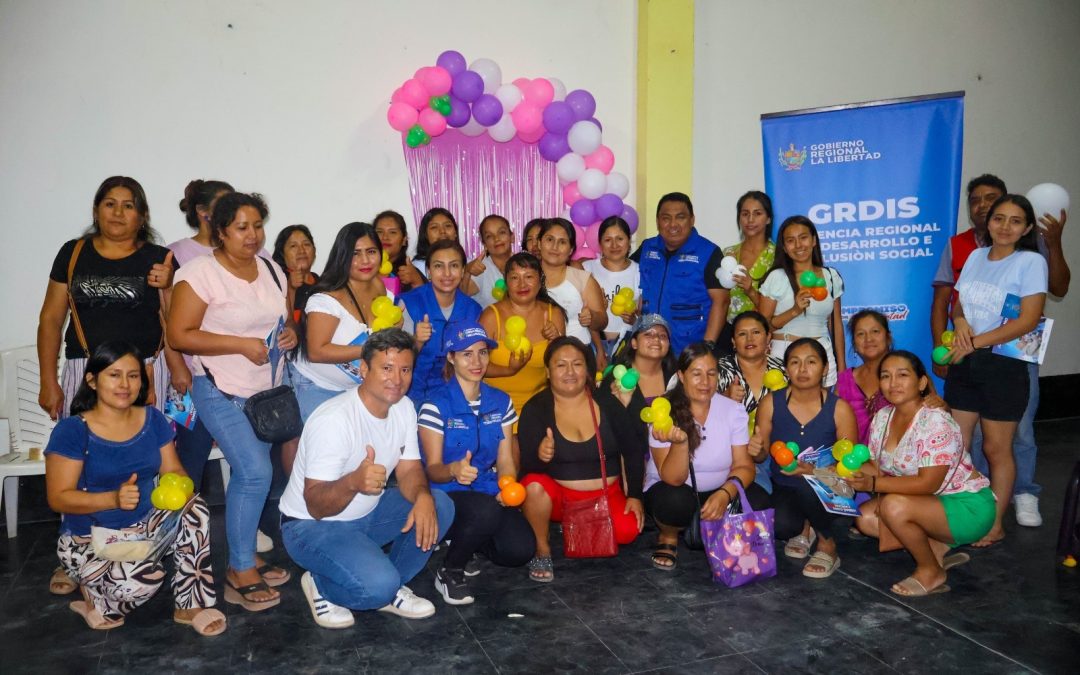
[{"x": 29, "y": 426}]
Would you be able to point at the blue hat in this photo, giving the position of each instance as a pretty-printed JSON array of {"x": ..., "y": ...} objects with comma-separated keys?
[
  {"x": 647, "y": 321},
  {"x": 464, "y": 334}
]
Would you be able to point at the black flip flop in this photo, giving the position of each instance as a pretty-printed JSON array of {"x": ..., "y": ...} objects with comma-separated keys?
[{"x": 661, "y": 551}]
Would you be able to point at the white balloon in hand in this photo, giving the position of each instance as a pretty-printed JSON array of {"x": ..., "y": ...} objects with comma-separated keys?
[{"x": 1048, "y": 198}]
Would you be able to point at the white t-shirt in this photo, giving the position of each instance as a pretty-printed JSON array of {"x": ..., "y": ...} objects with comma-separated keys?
[
  {"x": 569, "y": 295},
  {"x": 612, "y": 283},
  {"x": 335, "y": 441},
  {"x": 814, "y": 322},
  {"x": 330, "y": 375},
  {"x": 984, "y": 284},
  {"x": 485, "y": 282}
]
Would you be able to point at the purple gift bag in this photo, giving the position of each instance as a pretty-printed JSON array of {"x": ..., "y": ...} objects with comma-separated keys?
[{"x": 740, "y": 545}]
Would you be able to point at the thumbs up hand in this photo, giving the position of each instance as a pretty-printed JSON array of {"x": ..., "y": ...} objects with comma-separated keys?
[
  {"x": 546, "y": 451},
  {"x": 463, "y": 471},
  {"x": 369, "y": 478},
  {"x": 127, "y": 497},
  {"x": 161, "y": 273},
  {"x": 422, "y": 330}
]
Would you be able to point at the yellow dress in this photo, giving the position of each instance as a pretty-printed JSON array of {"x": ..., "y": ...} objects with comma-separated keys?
[{"x": 528, "y": 381}]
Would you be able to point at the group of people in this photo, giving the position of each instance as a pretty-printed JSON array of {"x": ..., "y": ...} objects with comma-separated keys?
[{"x": 424, "y": 391}]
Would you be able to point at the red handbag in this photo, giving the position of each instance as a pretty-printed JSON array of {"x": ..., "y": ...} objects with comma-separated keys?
[{"x": 588, "y": 531}]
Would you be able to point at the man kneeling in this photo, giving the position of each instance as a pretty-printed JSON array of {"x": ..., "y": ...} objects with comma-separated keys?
[{"x": 337, "y": 512}]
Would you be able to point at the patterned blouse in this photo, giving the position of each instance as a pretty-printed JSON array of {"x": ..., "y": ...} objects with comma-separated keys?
[
  {"x": 740, "y": 302},
  {"x": 933, "y": 439},
  {"x": 730, "y": 371}
]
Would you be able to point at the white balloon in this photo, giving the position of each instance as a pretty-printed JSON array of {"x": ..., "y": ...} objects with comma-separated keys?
[
  {"x": 618, "y": 184},
  {"x": 503, "y": 130},
  {"x": 509, "y": 95},
  {"x": 725, "y": 278},
  {"x": 1048, "y": 198},
  {"x": 570, "y": 167},
  {"x": 472, "y": 128},
  {"x": 560, "y": 88},
  {"x": 729, "y": 263},
  {"x": 584, "y": 138},
  {"x": 489, "y": 72},
  {"x": 592, "y": 183}
]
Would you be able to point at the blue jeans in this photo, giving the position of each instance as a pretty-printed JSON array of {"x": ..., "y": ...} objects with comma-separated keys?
[
  {"x": 346, "y": 559},
  {"x": 308, "y": 394},
  {"x": 249, "y": 459},
  {"x": 1024, "y": 448},
  {"x": 193, "y": 448}
]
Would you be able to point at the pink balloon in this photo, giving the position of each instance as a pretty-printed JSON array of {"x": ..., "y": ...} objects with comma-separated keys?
[
  {"x": 435, "y": 79},
  {"x": 532, "y": 136},
  {"x": 396, "y": 96},
  {"x": 401, "y": 116},
  {"x": 432, "y": 122},
  {"x": 602, "y": 158},
  {"x": 570, "y": 193},
  {"x": 592, "y": 236},
  {"x": 415, "y": 94},
  {"x": 579, "y": 235},
  {"x": 527, "y": 118},
  {"x": 521, "y": 83},
  {"x": 539, "y": 92}
]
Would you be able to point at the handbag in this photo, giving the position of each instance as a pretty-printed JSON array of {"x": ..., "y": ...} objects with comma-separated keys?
[
  {"x": 692, "y": 533},
  {"x": 740, "y": 546},
  {"x": 588, "y": 531}
]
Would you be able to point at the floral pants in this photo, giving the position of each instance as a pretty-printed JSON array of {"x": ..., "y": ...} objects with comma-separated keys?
[{"x": 116, "y": 588}]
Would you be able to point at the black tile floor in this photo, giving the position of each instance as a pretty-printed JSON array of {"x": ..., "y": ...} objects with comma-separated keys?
[{"x": 1012, "y": 609}]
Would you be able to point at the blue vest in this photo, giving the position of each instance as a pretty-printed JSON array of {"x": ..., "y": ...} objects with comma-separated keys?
[
  {"x": 674, "y": 286},
  {"x": 428, "y": 371},
  {"x": 464, "y": 431}
]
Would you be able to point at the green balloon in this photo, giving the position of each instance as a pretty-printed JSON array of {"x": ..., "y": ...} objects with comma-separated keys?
[
  {"x": 861, "y": 453},
  {"x": 819, "y": 282},
  {"x": 808, "y": 279},
  {"x": 415, "y": 136},
  {"x": 501, "y": 283},
  {"x": 794, "y": 447},
  {"x": 940, "y": 355},
  {"x": 608, "y": 370},
  {"x": 629, "y": 380}
]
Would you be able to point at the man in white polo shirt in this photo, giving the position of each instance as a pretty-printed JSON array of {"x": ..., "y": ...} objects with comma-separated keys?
[{"x": 337, "y": 512}]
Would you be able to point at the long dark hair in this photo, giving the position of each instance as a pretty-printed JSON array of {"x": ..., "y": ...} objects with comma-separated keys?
[
  {"x": 625, "y": 354},
  {"x": 783, "y": 262},
  {"x": 146, "y": 232},
  {"x": 680, "y": 402},
  {"x": 283, "y": 238},
  {"x": 106, "y": 354},
  {"x": 567, "y": 226},
  {"x": 336, "y": 273},
  {"x": 527, "y": 260},
  {"x": 1030, "y": 241},
  {"x": 535, "y": 222},
  {"x": 916, "y": 365},
  {"x": 423, "y": 245},
  {"x": 199, "y": 193},
  {"x": 403, "y": 255}
]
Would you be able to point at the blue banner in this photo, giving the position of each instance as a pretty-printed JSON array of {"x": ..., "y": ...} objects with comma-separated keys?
[{"x": 881, "y": 182}]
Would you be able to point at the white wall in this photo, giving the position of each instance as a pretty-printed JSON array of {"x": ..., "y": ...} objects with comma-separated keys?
[
  {"x": 1017, "y": 61},
  {"x": 282, "y": 97}
]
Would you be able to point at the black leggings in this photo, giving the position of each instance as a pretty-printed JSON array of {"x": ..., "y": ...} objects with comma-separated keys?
[
  {"x": 794, "y": 506},
  {"x": 675, "y": 506},
  {"x": 481, "y": 524}
]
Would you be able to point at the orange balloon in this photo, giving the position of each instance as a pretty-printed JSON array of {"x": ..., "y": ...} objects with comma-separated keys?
[
  {"x": 777, "y": 447},
  {"x": 513, "y": 494},
  {"x": 819, "y": 293},
  {"x": 506, "y": 480},
  {"x": 783, "y": 457}
]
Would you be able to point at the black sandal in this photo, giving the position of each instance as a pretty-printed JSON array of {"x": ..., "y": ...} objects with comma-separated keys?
[
  {"x": 665, "y": 552},
  {"x": 238, "y": 595}
]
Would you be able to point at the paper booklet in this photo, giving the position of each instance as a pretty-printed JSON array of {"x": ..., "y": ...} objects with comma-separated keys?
[
  {"x": 273, "y": 351},
  {"x": 1030, "y": 347},
  {"x": 833, "y": 502},
  {"x": 352, "y": 368},
  {"x": 180, "y": 409}
]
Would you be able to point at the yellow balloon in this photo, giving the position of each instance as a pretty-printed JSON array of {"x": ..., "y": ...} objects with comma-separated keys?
[
  {"x": 515, "y": 325},
  {"x": 380, "y": 323},
  {"x": 947, "y": 338},
  {"x": 393, "y": 315},
  {"x": 386, "y": 267},
  {"x": 647, "y": 415},
  {"x": 843, "y": 471},
  {"x": 663, "y": 424},
  {"x": 630, "y": 305},
  {"x": 774, "y": 380},
  {"x": 618, "y": 305},
  {"x": 187, "y": 485},
  {"x": 157, "y": 499},
  {"x": 169, "y": 478},
  {"x": 380, "y": 304},
  {"x": 498, "y": 293},
  {"x": 661, "y": 405},
  {"x": 512, "y": 342},
  {"x": 626, "y": 292},
  {"x": 525, "y": 346}
]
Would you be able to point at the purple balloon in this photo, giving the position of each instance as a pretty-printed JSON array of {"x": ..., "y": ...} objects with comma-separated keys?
[
  {"x": 459, "y": 113},
  {"x": 468, "y": 86},
  {"x": 553, "y": 146},
  {"x": 582, "y": 102},
  {"x": 597, "y": 123},
  {"x": 487, "y": 110},
  {"x": 559, "y": 117},
  {"x": 631, "y": 217},
  {"x": 452, "y": 61},
  {"x": 583, "y": 212},
  {"x": 608, "y": 205}
]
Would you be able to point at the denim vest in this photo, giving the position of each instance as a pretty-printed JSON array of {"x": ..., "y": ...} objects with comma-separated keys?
[
  {"x": 674, "y": 287},
  {"x": 428, "y": 370},
  {"x": 465, "y": 431}
]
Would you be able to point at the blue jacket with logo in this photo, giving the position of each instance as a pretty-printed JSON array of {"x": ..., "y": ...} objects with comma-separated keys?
[
  {"x": 465, "y": 431},
  {"x": 428, "y": 370},
  {"x": 673, "y": 285}
]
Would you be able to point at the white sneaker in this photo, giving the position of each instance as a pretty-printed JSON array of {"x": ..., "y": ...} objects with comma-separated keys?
[
  {"x": 409, "y": 605},
  {"x": 325, "y": 613},
  {"x": 263, "y": 543},
  {"x": 1027, "y": 510}
]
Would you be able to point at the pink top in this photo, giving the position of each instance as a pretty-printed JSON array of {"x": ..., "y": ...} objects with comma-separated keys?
[
  {"x": 865, "y": 408},
  {"x": 933, "y": 439},
  {"x": 235, "y": 307}
]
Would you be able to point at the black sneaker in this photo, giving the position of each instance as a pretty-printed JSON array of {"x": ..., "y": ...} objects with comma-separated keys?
[
  {"x": 451, "y": 584},
  {"x": 472, "y": 568}
]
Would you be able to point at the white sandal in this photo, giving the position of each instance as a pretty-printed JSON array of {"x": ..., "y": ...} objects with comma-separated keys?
[{"x": 798, "y": 547}]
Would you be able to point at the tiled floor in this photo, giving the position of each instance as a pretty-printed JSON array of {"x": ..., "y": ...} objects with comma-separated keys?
[{"x": 1012, "y": 609}]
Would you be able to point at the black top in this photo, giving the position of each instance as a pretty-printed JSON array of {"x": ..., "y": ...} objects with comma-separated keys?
[
  {"x": 581, "y": 460},
  {"x": 112, "y": 297}
]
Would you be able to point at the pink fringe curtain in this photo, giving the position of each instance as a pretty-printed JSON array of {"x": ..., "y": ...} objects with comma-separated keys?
[{"x": 473, "y": 176}]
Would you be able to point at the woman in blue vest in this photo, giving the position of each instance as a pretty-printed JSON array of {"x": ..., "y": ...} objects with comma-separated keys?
[
  {"x": 465, "y": 432},
  {"x": 429, "y": 308}
]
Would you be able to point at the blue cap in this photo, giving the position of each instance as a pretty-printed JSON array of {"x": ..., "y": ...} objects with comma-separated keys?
[
  {"x": 647, "y": 321},
  {"x": 464, "y": 334}
]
